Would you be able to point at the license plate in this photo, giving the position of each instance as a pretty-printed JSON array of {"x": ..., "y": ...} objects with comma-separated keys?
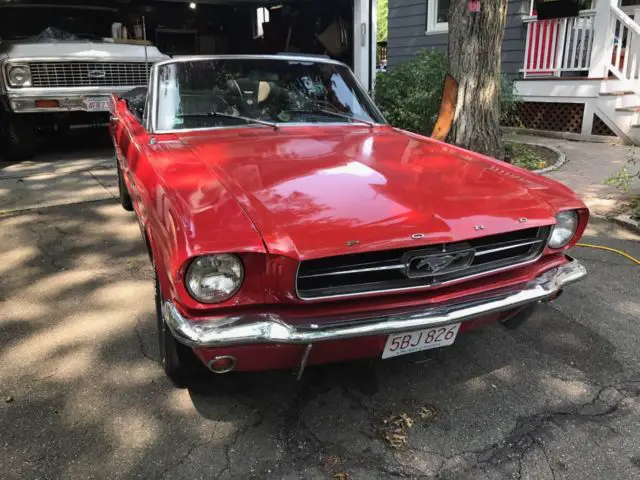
[
  {"x": 96, "y": 104},
  {"x": 410, "y": 342}
]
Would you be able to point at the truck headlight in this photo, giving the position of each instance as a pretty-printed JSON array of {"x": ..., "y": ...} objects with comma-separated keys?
[
  {"x": 214, "y": 278},
  {"x": 19, "y": 76},
  {"x": 564, "y": 229}
]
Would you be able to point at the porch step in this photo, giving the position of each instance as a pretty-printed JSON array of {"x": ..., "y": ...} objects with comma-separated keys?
[
  {"x": 616, "y": 94},
  {"x": 633, "y": 109}
]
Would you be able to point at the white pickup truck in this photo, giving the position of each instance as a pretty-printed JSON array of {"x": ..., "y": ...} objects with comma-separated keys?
[{"x": 63, "y": 83}]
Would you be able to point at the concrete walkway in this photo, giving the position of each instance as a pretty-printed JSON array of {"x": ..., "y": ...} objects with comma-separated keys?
[
  {"x": 53, "y": 180},
  {"x": 588, "y": 167}
]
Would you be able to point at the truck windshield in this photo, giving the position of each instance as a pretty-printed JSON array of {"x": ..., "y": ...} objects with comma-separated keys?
[{"x": 229, "y": 92}]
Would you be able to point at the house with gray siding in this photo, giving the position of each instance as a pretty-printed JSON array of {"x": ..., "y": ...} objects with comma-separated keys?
[
  {"x": 421, "y": 24},
  {"x": 576, "y": 74}
]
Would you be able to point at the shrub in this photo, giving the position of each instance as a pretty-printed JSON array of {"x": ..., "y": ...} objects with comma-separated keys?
[
  {"x": 509, "y": 102},
  {"x": 625, "y": 178},
  {"x": 409, "y": 94}
]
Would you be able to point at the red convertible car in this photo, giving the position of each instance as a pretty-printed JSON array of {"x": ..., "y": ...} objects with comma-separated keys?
[{"x": 289, "y": 225}]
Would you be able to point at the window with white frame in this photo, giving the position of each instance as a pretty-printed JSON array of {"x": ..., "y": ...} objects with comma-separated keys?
[{"x": 437, "y": 16}]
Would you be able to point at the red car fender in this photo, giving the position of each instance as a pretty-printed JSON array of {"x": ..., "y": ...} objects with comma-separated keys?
[{"x": 174, "y": 209}]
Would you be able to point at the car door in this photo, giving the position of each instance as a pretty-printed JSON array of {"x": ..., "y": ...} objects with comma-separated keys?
[{"x": 127, "y": 130}]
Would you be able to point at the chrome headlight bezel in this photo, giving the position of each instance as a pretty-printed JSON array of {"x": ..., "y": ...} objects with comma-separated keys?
[
  {"x": 565, "y": 229},
  {"x": 11, "y": 70},
  {"x": 227, "y": 268}
]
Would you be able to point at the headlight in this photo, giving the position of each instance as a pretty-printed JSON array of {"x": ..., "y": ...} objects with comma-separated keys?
[
  {"x": 214, "y": 278},
  {"x": 564, "y": 230},
  {"x": 19, "y": 76}
]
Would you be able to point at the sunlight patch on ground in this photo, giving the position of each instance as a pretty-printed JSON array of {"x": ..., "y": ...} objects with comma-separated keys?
[
  {"x": 179, "y": 401},
  {"x": 508, "y": 373},
  {"x": 480, "y": 383},
  {"x": 130, "y": 295},
  {"x": 89, "y": 328},
  {"x": 570, "y": 390},
  {"x": 134, "y": 374},
  {"x": 16, "y": 257},
  {"x": 133, "y": 429},
  {"x": 16, "y": 309}
]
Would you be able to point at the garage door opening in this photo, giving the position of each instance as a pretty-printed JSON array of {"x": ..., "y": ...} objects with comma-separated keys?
[
  {"x": 340, "y": 29},
  {"x": 320, "y": 28},
  {"x": 63, "y": 60}
]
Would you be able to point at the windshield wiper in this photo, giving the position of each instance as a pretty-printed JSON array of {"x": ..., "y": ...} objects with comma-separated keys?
[
  {"x": 273, "y": 125},
  {"x": 329, "y": 113}
]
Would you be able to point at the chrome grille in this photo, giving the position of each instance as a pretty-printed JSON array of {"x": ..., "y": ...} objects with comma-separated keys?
[
  {"x": 88, "y": 74},
  {"x": 391, "y": 270}
]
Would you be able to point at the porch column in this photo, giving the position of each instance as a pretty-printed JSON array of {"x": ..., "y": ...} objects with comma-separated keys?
[{"x": 602, "y": 39}]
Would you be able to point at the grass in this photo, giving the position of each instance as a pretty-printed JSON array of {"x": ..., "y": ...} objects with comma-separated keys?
[{"x": 531, "y": 157}]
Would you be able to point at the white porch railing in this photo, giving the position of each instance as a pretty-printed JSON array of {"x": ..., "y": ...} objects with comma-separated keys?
[
  {"x": 558, "y": 45},
  {"x": 624, "y": 44}
]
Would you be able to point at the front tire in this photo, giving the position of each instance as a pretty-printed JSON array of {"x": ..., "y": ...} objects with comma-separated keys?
[
  {"x": 19, "y": 135},
  {"x": 178, "y": 361},
  {"x": 125, "y": 198}
]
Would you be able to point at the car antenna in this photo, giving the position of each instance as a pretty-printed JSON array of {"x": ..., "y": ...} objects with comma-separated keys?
[{"x": 146, "y": 55}]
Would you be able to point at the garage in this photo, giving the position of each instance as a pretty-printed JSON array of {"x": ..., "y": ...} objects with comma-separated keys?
[{"x": 340, "y": 29}]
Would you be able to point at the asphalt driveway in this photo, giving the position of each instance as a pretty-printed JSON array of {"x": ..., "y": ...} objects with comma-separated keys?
[{"x": 82, "y": 395}]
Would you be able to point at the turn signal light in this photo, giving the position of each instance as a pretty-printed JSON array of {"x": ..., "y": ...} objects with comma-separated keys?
[{"x": 47, "y": 104}]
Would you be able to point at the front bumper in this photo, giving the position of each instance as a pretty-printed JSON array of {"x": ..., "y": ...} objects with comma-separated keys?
[
  {"x": 269, "y": 328},
  {"x": 67, "y": 99}
]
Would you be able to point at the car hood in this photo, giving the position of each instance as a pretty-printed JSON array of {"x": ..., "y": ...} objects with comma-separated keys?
[
  {"x": 79, "y": 50},
  {"x": 314, "y": 192}
]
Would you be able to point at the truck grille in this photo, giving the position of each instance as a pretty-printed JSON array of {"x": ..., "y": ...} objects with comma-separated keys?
[
  {"x": 88, "y": 74},
  {"x": 410, "y": 268}
]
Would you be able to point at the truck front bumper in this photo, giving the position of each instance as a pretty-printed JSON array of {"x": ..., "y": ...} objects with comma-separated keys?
[
  {"x": 267, "y": 328},
  {"x": 51, "y": 100}
]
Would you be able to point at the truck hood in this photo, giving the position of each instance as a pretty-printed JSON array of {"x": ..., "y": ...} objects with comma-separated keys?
[
  {"x": 80, "y": 50},
  {"x": 315, "y": 192}
]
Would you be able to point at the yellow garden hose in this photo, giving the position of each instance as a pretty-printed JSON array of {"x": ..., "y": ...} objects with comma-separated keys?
[{"x": 609, "y": 249}]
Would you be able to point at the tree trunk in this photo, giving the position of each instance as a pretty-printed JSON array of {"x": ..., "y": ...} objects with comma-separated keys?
[{"x": 475, "y": 50}]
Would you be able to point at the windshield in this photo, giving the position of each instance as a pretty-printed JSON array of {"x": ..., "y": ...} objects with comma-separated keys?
[{"x": 229, "y": 92}]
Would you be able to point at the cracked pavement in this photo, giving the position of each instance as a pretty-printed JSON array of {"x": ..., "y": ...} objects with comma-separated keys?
[{"x": 82, "y": 395}]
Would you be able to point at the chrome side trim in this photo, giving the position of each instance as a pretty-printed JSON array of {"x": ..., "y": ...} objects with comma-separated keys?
[
  {"x": 290, "y": 58},
  {"x": 507, "y": 247},
  {"x": 269, "y": 328}
]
